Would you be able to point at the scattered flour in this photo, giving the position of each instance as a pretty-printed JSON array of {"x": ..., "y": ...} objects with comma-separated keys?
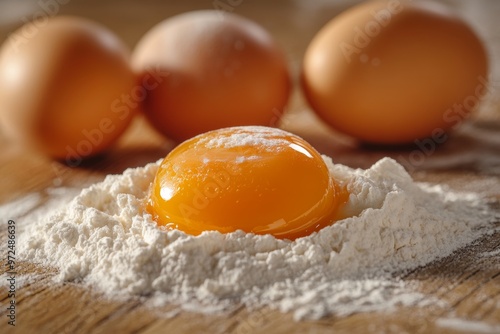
[
  {"x": 36, "y": 206},
  {"x": 495, "y": 253},
  {"x": 105, "y": 239},
  {"x": 20, "y": 280},
  {"x": 467, "y": 326},
  {"x": 267, "y": 139},
  {"x": 21, "y": 206}
]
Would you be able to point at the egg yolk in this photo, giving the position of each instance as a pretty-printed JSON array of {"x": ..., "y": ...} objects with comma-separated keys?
[{"x": 256, "y": 179}]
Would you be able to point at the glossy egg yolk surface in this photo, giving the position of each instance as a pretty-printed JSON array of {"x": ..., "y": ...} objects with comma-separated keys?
[{"x": 256, "y": 179}]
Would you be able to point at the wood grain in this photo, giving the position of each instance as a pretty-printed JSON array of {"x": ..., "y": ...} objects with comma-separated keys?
[{"x": 467, "y": 282}]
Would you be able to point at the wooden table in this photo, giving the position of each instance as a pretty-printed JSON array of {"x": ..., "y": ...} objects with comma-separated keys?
[{"x": 468, "y": 281}]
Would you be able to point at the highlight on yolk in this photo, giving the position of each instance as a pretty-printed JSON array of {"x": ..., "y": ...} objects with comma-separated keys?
[{"x": 256, "y": 179}]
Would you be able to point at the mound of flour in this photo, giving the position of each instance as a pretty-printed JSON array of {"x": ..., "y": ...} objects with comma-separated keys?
[{"x": 105, "y": 239}]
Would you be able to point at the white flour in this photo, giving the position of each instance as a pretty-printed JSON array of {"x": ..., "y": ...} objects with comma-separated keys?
[
  {"x": 466, "y": 326},
  {"x": 105, "y": 239}
]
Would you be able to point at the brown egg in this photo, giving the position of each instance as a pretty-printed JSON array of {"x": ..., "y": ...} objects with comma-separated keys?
[
  {"x": 219, "y": 70},
  {"x": 63, "y": 88},
  {"x": 392, "y": 71}
]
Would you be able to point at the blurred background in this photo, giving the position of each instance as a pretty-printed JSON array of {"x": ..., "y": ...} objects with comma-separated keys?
[{"x": 292, "y": 23}]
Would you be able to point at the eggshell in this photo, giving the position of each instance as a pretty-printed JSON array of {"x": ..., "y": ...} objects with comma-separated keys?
[
  {"x": 223, "y": 70},
  {"x": 62, "y": 88},
  {"x": 392, "y": 72}
]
